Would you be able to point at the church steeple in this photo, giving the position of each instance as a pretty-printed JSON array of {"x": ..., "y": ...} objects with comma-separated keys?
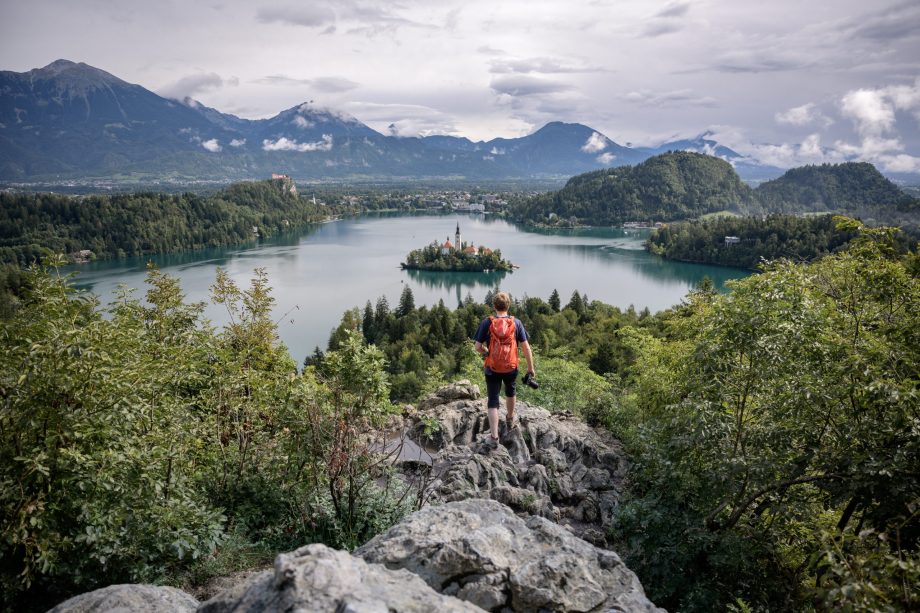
[{"x": 458, "y": 245}]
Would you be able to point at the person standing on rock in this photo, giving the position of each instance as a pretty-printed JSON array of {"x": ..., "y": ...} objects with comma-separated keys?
[{"x": 498, "y": 338}]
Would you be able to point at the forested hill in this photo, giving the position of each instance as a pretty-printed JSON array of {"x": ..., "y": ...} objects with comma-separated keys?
[
  {"x": 34, "y": 225},
  {"x": 674, "y": 185},
  {"x": 755, "y": 239},
  {"x": 854, "y": 188}
]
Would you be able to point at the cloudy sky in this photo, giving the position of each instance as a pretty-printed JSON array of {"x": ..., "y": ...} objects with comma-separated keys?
[{"x": 784, "y": 81}]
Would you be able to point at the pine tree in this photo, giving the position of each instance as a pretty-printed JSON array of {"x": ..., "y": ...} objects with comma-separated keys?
[
  {"x": 576, "y": 303},
  {"x": 554, "y": 301},
  {"x": 368, "y": 328},
  {"x": 381, "y": 314},
  {"x": 406, "y": 302}
]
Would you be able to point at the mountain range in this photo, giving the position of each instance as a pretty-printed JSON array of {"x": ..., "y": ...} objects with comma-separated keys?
[{"x": 71, "y": 120}]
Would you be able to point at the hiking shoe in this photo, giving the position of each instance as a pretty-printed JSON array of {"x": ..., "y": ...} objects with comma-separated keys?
[{"x": 511, "y": 422}]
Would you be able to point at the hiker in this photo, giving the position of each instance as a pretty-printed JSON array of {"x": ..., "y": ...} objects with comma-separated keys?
[{"x": 498, "y": 338}]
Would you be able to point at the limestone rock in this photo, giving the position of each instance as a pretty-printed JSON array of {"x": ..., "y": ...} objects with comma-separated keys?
[
  {"x": 573, "y": 472},
  {"x": 461, "y": 390},
  {"x": 129, "y": 598},
  {"x": 482, "y": 552},
  {"x": 317, "y": 578}
]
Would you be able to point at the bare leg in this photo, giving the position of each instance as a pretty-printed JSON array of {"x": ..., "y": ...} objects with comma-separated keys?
[
  {"x": 509, "y": 403},
  {"x": 493, "y": 421}
]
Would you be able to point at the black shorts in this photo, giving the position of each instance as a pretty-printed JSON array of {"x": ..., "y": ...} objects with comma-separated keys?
[{"x": 494, "y": 386}]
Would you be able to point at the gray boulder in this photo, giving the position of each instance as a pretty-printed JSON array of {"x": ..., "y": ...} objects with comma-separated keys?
[
  {"x": 129, "y": 598},
  {"x": 317, "y": 578},
  {"x": 482, "y": 552}
]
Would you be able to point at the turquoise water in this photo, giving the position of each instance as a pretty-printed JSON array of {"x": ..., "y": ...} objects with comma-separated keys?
[{"x": 319, "y": 273}]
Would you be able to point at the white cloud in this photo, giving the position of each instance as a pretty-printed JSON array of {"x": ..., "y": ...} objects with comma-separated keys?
[
  {"x": 192, "y": 84},
  {"x": 869, "y": 109},
  {"x": 238, "y": 142},
  {"x": 782, "y": 155},
  {"x": 497, "y": 151},
  {"x": 870, "y": 147},
  {"x": 900, "y": 163},
  {"x": 404, "y": 119},
  {"x": 212, "y": 145},
  {"x": 874, "y": 113},
  {"x": 302, "y": 122},
  {"x": 596, "y": 143},
  {"x": 905, "y": 97},
  {"x": 873, "y": 110},
  {"x": 323, "y": 113},
  {"x": 811, "y": 147},
  {"x": 606, "y": 158},
  {"x": 803, "y": 115},
  {"x": 286, "y": 144}
]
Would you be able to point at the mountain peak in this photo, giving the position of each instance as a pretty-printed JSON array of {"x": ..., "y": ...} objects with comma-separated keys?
[
  {"x": 556, "y": 125},
  {"x": 74, "y": 76},
  {"x": 58, "y": 66}
]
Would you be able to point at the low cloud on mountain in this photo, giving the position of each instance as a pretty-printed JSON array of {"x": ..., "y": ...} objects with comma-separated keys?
[{"x": 286, "y": 144}]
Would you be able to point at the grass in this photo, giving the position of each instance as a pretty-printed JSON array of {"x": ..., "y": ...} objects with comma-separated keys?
[
  {"x": 237, "y": 553},
  {"x": 719, "y": 215}
]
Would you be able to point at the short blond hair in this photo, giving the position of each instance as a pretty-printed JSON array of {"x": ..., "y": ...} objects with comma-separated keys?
[{"x": 501, "y": 301}]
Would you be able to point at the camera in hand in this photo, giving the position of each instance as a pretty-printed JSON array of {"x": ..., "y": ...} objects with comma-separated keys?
[{"x": 531, "y": 381}]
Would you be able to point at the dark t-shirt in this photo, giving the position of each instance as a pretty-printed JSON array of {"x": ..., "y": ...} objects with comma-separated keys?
[{"x": 482, "y": 334}]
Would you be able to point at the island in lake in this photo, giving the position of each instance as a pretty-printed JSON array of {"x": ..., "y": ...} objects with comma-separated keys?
[{"x": 456, "y": 257}]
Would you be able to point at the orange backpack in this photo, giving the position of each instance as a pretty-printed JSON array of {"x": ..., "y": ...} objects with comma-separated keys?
[{"x": 503, "y": 354}]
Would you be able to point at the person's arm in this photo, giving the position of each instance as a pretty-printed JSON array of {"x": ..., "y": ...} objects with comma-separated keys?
[
  {"x": 528, "y": 355},
  {"x": 481, "y": 337}
]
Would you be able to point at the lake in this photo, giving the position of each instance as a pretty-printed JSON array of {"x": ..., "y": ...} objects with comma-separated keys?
[{"x": 319, "y": 273}]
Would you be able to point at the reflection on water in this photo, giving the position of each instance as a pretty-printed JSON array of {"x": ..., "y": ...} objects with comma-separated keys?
[
  {"x": 450, "y": 280},
  {"x": 458, "y": 283},
  {"x": 89, "y": 273},
  {"x": 642, "y": 263}
]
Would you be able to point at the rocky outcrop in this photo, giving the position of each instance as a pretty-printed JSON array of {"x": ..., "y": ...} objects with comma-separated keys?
[
  {"x": 551, "y": 465},
  {"x": 133, "y": 598},
  {"x": 480, "y": 551},
  {"x": 519, "y": 526},
  {"x": 317, "y": 578}
]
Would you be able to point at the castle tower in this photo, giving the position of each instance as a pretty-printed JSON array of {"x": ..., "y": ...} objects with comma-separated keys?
[{"x": 458, "y": 245}]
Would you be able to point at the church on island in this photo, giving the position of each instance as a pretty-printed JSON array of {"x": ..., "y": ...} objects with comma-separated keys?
[
  {"x": 456, "y": 256},
  {"x": 457, "y": 245}
]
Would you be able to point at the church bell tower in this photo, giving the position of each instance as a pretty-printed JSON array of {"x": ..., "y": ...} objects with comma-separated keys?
[{"x": 458, "y": 245}]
